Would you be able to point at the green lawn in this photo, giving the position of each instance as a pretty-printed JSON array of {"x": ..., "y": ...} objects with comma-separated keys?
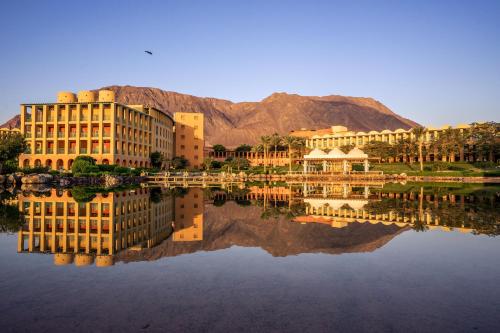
[{"x": 456, "y": 169}]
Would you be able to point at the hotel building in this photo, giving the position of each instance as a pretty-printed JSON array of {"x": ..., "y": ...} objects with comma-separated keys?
[
  {"x": 189, "y": 137},
  {"x": 338, "y": 136},
  {"x": 110, "y": 132}
]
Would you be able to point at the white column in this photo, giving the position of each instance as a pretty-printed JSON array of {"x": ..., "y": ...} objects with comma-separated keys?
[
  {"x": 367, "y": 166},
  {"x": 305, "y": 167},
  {"x": 324, "y": 166}
]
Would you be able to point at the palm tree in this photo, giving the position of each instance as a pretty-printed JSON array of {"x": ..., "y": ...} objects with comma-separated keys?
[
  {"x": 419, "y": 133},
  {"x": 289, "y": 141},
  {"x": 275, "y": 142},
  {"x": 265, "y": 140}
]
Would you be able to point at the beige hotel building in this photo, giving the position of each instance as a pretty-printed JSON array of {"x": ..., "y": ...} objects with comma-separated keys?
[{"x": 110, "y": 132}]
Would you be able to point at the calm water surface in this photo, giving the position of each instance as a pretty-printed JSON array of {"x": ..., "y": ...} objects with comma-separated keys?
[{"x": 304, "y": 258}]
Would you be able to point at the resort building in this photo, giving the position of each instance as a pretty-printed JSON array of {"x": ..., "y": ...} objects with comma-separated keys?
[
  {"x": 279, "y": 158},
  {"x": 335, "y": 160},
  {"x": 189, "y": 137},
  {"x": 4, "y": 131},
  {"x": 110, "y": 132},
  {"x": 338, "y": 136}
]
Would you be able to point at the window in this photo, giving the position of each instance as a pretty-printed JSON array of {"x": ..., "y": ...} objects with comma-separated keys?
[
  {"x": 183, "y": 147},
  {"x": 196, "y": 147}
]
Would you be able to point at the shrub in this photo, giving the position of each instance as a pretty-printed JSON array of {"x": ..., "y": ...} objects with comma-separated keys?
[
  {"x": 39, "y": 169},
  {"x": 485, "y": 165},
  {"x": 121, "y": 170},
  {"x": 84, "y": 165},
  {"x": 106, "y": 167},
  {"x": 215, "y": 165}
]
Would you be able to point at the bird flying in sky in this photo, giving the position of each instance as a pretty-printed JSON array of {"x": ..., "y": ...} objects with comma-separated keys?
[{"x": 149, "y": 52}]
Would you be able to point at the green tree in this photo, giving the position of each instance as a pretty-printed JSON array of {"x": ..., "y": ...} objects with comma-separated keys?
[
  {"x": 419, "y": 133},
  {"x": 486, "y": 139},
  {"x": 243, "y": 148},
  {"x": 180, "y": 162},
  {"x": 379, "y": 149},
  {"x": 207, "y": 163},
  {"x": 275, "y": 142},
  {"x": 219, "y": 148},
  {"x": 84, "y": 164},
  {"x": 156, "y": 159},
  {"x": 265, "y": 141},
  {"x": 11, "y": 146},
  {"x": 289, "y": 141},
  {"x": 347, "y": 148}
]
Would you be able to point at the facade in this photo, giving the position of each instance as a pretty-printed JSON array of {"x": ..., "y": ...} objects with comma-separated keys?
[
  {"x": 189, "y": 137},
  {"x": 338, "y": 136},
  {"x": 335, "y": 160},
  {"x": 110, "y": 132},
  {"x": 4, "y": 131},
  {"x": 280, "y": 158}
]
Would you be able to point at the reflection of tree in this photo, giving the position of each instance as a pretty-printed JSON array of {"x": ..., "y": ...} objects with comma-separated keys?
[{"x": 11, "y": 219}]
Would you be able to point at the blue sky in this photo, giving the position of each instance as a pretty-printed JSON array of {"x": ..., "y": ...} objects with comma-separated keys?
[{"x": 435, "y": 62}]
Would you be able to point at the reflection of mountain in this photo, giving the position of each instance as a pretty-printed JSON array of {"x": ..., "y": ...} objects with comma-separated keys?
[{"x": 242, "y": 226}]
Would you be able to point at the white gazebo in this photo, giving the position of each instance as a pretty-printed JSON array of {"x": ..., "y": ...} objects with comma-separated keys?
[{"x": 335, "y": 160}]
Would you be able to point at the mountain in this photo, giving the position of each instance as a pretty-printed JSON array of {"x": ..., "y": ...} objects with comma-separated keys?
[
  {"x": 231, "y": 123},
  {"x": 234, "y": 225},
  {"x": 14, "y": 122}
]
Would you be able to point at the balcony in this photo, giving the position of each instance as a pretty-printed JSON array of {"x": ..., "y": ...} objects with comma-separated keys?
[
  {"x": 84, "y": 118},
  {"x": 95, "y": 117},
  {"x": 72, "y": 134},
  {"x": 95, "y": 134},
  {"x": 95, "y": 150},
  {"x": 50, "y": 119},
  {"x": 83, "y": 134},
  {"x": 83, "y": 150},
  {"x": 38, "y": 119},
  {"x": 60, "y": 150},
  {"x": 28, "y": 118},
  {"x": 72, "y": 150},
  {"x": 72, "y": 118},
  {"x": 50, "y": 151},
  {"x": 38, "y": 151},
  {"x": 50, "y": 134},
  {"x": 61, "y": 118}
]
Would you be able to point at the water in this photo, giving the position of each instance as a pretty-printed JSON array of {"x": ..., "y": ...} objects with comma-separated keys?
[{"x": 315, "y": 258}]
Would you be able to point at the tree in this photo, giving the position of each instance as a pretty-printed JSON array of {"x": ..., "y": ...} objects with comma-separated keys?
[
  {"x": 265, "y": 140},
  {"x": 275, "y": 142},
  {"x": 84, "y": 164},
  {"x": 347, "y": 148},
  {"x": 290, "y": 142},
  {"x": 156, "y": 159},
  {"x": 486, "y": 138},
  {"x": 207, "y": 163},
  {"x": 379, "y": 149},
  {"x": 219, "y": 148},
  {"x": 11, "y": 146},
  {"x": 179, "y": 162},
  {"x": 243, "y": 148},
  {"x": 419, "y": 133}
]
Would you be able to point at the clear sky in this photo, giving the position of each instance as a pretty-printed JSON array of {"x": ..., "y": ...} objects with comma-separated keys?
[{"x": 435, "y": 62}]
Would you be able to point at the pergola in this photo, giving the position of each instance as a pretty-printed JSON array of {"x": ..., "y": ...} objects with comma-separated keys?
[{"x": 335, "y": 160}]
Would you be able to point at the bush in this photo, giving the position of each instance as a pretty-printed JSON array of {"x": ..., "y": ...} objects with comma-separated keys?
[
  {"x": 485, "y": 165},
  {"x": 39, "y": 169},
  {"x": 84, "y": 165},
  {"x": 121, "y": 170},
  {"x": 215, "y": 165},
  {"x": 106, "y": 167}
]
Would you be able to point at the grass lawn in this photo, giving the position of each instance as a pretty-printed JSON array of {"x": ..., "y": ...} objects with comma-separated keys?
[{"x": 456, "y": 169}]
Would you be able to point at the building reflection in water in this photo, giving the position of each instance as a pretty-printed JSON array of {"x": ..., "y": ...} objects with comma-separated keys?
[
  {"x": 96, "y": 231},
  {"x": 86, "y": 232}
]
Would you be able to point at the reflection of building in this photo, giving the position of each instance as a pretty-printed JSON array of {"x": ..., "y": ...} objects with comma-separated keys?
[
  {"x": 338, "y": 212},
  {"x": 189, "y": 216},
  {"x": 110, "y": 132},
  {"x": 97, "y": 229},
  {"x": 189, "y": 141}
]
